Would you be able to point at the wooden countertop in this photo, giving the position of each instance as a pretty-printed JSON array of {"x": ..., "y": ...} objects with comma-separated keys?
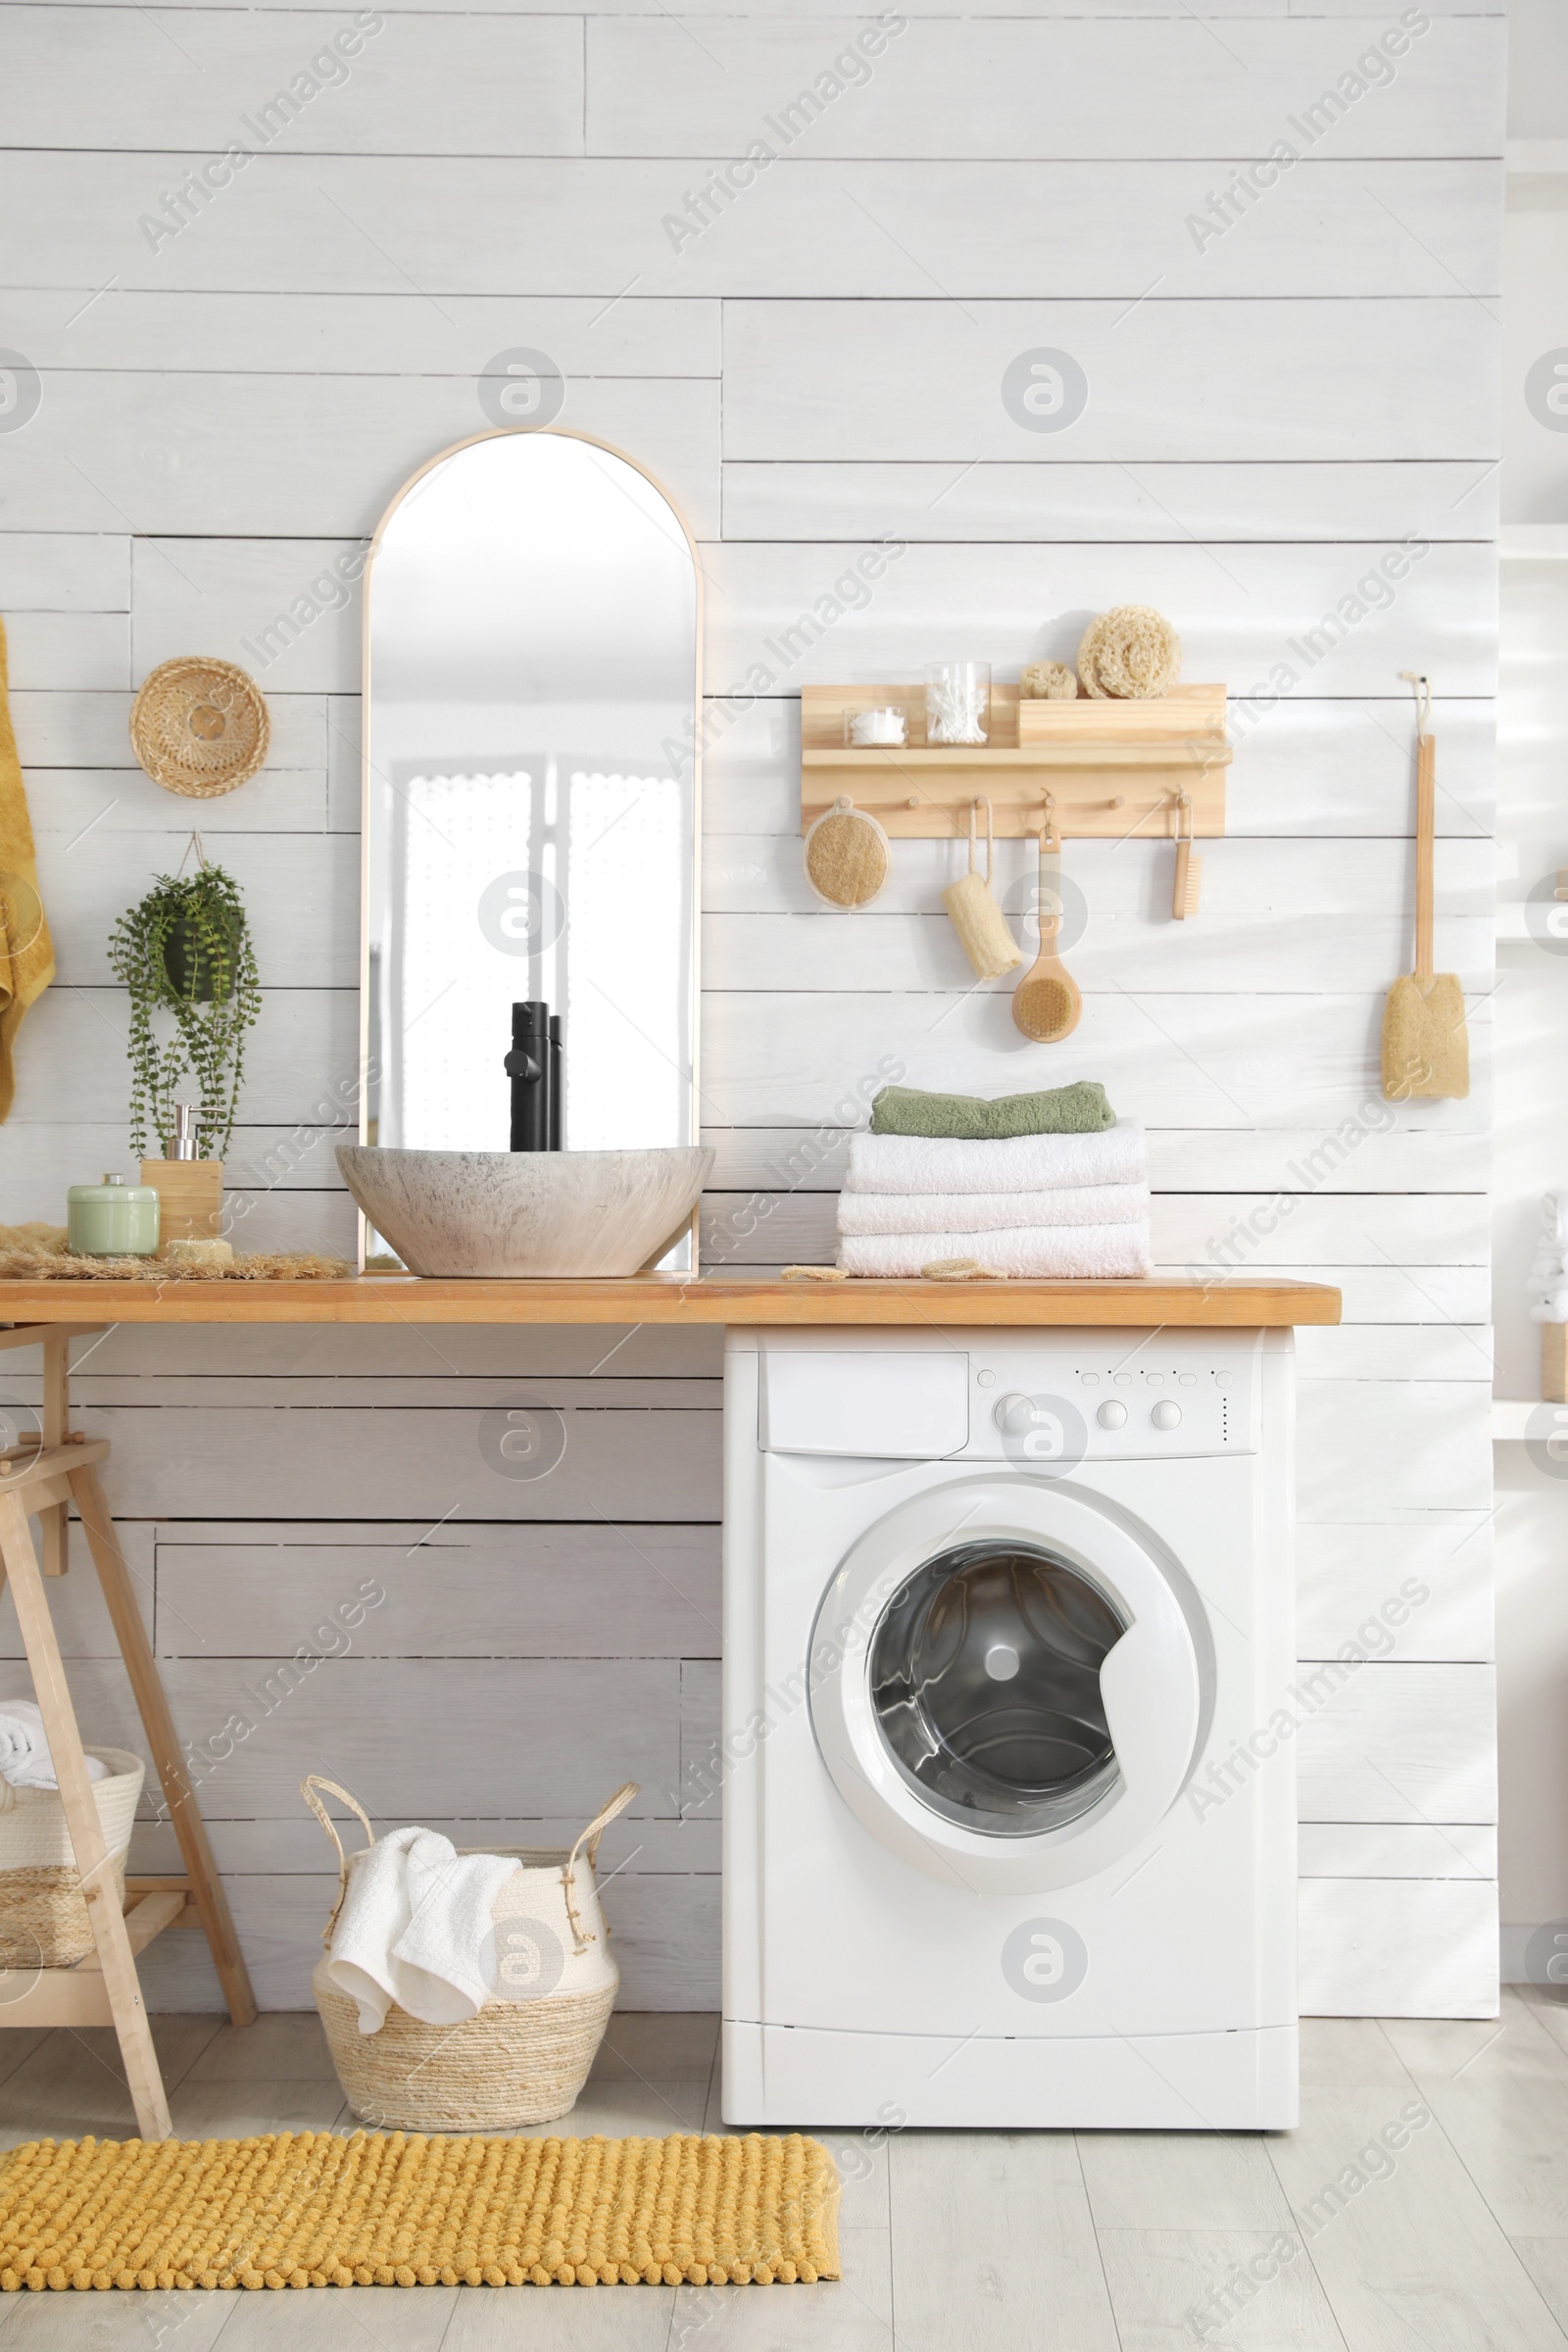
[{"x": 672, "y": 1298}]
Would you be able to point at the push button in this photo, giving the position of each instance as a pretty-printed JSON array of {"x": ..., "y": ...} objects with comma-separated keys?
[
  {"x": 1112, "y": 1414},
  {"x": 1168, "y": 1414}
]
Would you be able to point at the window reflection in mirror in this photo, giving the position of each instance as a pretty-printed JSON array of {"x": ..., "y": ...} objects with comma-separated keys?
[{"x": 530, "y": 801}]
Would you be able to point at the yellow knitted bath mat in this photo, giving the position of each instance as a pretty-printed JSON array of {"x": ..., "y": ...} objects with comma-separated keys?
[{"x": 313, "y": 2209}]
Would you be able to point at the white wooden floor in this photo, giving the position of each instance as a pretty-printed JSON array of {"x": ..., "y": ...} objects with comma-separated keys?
[{"x": 952, "y": 2241}]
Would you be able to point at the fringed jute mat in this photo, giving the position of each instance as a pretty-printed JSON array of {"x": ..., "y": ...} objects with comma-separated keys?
[
  {"x": 39, "y": 1254},
  {"x": 316, "y": 2209}
]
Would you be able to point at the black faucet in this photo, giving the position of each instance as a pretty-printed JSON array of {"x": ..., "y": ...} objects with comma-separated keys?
[{"x": 528, "y": 1066}]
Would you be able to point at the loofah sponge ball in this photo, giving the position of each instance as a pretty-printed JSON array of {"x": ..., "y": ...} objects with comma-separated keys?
[
  {"x": 1130, "y": 654},
  {"x": 1049, "y": 682}
]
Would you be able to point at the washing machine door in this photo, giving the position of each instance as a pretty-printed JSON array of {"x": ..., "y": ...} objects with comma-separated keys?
[{"x": 1005, "y": 1685}]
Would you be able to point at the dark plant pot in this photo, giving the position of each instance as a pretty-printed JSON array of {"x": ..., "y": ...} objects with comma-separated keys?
[{"x": 189, "y": 963}]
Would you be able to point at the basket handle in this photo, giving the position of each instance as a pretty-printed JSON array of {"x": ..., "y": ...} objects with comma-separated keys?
[
  {"x": 590, "y": 1837},
  {"x": 308, "y": 1788}
]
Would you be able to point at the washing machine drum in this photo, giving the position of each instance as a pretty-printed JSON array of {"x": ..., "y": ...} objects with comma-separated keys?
[
  {"x": 985, "y": 1681},
  {"x": 1014, "y": 1709}
]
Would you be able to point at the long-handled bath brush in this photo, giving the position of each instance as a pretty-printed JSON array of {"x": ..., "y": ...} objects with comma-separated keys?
[
  {"x": 1426, "y": 1051},
  {"x": 1046, "y": 1002}
]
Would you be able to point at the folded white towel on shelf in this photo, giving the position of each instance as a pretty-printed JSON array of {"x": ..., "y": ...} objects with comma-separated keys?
[
  {"x": 1070, "y": 1252},
  {"x": 416, "y": 1927},
  {"x": 981, "y": 1213},
  {"x": 24, "y": 1758},
  {"x": 1021, "y": 1163}
]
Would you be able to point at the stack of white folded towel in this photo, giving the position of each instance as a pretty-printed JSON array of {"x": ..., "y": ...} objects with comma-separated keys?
[{"x": 1042, "y": 1204}]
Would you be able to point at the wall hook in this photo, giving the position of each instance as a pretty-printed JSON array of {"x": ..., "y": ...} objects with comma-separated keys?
[{"x": 1419, "y": 680}]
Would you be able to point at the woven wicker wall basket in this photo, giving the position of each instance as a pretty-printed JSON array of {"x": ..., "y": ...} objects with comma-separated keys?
[
  {"x": 41, "y": 1902},
  {"x": 200, "y": 727},
  {"x": 525, "y": 2056}
]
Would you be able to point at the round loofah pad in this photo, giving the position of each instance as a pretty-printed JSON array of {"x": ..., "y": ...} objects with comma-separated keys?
[
  {"x": 847, "y": 855},
  {"x": 199, "y": 727},
  {"x": 1048, "y": 682},
  {"x": 1131, "y": 653}
]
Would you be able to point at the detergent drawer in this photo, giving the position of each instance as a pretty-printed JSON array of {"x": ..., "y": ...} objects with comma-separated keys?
[{"x": 909, "y": 1406}]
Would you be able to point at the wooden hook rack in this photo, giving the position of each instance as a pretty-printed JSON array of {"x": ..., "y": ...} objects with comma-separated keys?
[{"x": 1113, "y": 769}]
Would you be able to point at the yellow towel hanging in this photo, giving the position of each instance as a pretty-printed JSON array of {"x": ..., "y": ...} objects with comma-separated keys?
[{"x": 27, "y": 951}]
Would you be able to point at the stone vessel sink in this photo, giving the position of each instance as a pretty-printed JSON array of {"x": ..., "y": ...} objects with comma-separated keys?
[{"x": 526, "y": 1212}]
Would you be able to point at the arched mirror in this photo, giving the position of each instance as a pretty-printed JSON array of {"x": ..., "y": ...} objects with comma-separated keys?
[{"x": 530, "y": 800}]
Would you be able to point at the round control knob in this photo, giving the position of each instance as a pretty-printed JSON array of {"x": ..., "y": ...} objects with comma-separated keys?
[
  {"x": 1002, "y": 1661},
  {"x": 1112, "y": 1413},
  {"x": 1168, "y": 1414},
  {"x": 1015, "y": 1414}
]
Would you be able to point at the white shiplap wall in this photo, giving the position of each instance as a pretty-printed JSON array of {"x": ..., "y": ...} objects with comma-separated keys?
[{"x": 227, "y": 410}]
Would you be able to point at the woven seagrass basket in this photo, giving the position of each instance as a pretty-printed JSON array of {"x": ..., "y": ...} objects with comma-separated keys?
[
  {"x": 524, "y": 2058},
  {"x": 200, "y": 727},
  {"x": 43, "y": 1913}
]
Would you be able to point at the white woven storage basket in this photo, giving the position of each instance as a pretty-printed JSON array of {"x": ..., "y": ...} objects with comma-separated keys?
[
  {"x": 526, "y": 2055},
  {"x": 41, "y": 1902}
]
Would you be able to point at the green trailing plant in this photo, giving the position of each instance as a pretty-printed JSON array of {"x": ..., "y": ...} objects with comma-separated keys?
[{"x": 185, "y": 954}]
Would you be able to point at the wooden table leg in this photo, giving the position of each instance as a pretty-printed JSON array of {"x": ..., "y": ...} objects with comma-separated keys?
[
  {"x": 54, "y": 1524},
  {"x": 206, "y": 1887},
  {"x": 115, "y": 1955}
]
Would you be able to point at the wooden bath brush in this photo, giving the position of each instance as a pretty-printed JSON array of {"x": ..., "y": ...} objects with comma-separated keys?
[
  {"x": 1426, "y": 1051},
  {"x": 1047, "y": 1003}
]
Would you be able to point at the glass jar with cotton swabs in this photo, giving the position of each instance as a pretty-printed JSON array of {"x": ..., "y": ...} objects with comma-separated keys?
[{"x": 957, "y": 702}]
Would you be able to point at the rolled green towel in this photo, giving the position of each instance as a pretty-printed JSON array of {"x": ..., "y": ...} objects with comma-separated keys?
[{"x": 1078, "y": 1109}]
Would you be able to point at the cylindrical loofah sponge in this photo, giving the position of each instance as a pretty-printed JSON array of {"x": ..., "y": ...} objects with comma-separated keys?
[
  {"x": 1130, "y": 654},
  {"x": 975, "y": 915},
  {"x": 1048, "y": 682}
]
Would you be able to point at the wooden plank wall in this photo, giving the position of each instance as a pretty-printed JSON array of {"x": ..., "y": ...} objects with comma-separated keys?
[{"x": 1291, "y": 413}]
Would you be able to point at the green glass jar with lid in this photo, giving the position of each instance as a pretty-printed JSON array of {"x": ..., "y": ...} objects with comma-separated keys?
[{"x": 112, "y": 1220}]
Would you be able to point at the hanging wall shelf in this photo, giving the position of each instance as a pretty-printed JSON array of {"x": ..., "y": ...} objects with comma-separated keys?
[{"x": 1113, "y": 768}]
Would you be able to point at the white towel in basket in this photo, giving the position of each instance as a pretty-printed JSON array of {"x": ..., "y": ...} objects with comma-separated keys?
[
  {"x": 416, "y": 1928},
  {"x": 24, "y": 1758}
]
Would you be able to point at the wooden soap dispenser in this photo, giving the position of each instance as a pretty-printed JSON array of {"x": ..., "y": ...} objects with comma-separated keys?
[{"x": 191, "y": 1191}]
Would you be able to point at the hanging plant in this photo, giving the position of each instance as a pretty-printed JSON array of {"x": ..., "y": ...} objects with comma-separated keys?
[{"x": 185, "y": 952}]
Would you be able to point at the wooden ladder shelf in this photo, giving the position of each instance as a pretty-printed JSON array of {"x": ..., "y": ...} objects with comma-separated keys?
[{"x": 44, "y": 1480}]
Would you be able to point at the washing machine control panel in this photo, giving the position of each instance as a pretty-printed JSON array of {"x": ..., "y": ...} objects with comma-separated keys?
[
  {"x": 1041, "y": 1399},
  {"x": 1112, "y": 1400}
]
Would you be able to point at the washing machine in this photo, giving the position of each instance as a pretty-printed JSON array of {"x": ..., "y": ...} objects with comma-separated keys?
[{"x": 1007, "y": 1771}]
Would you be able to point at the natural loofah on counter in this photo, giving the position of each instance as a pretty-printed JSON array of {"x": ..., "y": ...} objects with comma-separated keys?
[
  {"x": 39, "y": 1254},
  {"x": 1130, "y": 654},
  {"x": 1048, "y": 682}
]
